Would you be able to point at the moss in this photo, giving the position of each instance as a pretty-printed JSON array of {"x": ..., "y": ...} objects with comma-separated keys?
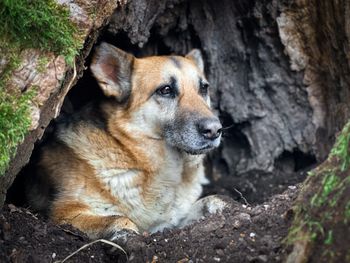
[
  {"x": 322, "y": 213},
  {"x": 333, "y": 186},
  {"x": 329, "y": 183},
  {"x": 42, "y": 63},
  {"x": 10, "y": 52},
  {"x": 341, "y": 148},
  {"x": 329, "y": 239},
  {"x": 40, "y": 24},
  {"x": 13, "y": 125}
]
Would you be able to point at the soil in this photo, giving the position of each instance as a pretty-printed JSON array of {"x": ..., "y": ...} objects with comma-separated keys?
[{"x": 241, "y": 233}]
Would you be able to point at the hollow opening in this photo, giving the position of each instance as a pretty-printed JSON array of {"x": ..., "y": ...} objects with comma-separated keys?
[{"x": 255, "y": 185}]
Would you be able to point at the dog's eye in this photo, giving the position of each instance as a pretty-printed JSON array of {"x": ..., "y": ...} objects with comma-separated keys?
[
  {"x": 203, "y": 89},
  {"x": 166, "y": 91}
]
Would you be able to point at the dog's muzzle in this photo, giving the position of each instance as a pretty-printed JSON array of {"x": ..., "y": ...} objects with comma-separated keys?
[{"x": 194, "y": 135}]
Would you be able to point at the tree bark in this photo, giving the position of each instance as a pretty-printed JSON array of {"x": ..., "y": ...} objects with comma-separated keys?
[
  {"x": 275, "y": 80},
  {"x": 320, "y": 231},
  {"x": 52, "y": 85}
]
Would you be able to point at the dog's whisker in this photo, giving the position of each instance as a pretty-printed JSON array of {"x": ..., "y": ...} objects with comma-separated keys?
[{"x": 228, "y": 127}]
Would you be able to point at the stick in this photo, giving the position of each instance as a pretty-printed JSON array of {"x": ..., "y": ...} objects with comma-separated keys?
[
  {"x": 242, "y": 197},
  {"x": 91, "y": 243}
]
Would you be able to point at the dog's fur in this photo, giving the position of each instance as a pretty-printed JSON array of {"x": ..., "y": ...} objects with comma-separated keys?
[{"x": 134, "y": 160}]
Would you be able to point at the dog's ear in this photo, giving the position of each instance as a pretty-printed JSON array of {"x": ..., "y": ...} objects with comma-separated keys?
[
  {"x": 196, "y": 56},
  {"x": 112, "y": 68}
]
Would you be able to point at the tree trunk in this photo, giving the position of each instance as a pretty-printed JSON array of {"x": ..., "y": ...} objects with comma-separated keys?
[
  {"x": 320, "y": 231},
  {"x": 48, "y": 76},
  {"x": 279, "y": 74}
]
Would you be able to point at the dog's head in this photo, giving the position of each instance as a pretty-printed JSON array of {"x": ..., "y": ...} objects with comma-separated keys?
[{"x": 162, "y": 97}]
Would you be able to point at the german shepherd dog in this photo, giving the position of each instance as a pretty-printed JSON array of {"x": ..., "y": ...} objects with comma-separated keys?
[{"x": 132, "y": 162}]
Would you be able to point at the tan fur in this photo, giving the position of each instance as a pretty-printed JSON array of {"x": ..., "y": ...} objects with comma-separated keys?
[{"x": 123, "y": 174}]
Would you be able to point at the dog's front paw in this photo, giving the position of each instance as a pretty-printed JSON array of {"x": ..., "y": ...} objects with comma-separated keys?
[
  {"x": 206, "y": 206},
  {"x": 122, "y": 230},
  {"x": 121, "y": 236}
]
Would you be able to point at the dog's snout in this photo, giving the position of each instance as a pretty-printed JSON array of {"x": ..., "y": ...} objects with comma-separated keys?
[{"x": 210, "y": 128}]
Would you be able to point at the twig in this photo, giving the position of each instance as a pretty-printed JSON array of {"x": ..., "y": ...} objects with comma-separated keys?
[
  {"x": 28, "y": 212},
  {"x": 227, "y": 127},
  {"x": 242, "y": 197},
  {"x": 91, "y": 243},
  {"x": 65, "y": 91}
]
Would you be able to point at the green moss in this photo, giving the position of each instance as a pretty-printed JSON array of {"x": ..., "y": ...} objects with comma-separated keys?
[
  {"x": 314, "y": 229},
  {"x": 39, "y": 24},
  {"x": 333, "y": 185},
  {"x": 321, "y": 217},
  {"x": 341, "y": 148},
  {"x": 10, "y": 52},
  {"x": 294, "y": 234},
  {"x": 14, "y": 124},
  {"x": 42, "y": 63},
  {"x": 329, "y": 238},
  {"x": 329, "y": 183}
]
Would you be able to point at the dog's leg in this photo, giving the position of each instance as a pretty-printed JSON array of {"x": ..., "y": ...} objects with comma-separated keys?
[
  {"x": 203, "y": 207},
  {"x": 112, "y": 227}
]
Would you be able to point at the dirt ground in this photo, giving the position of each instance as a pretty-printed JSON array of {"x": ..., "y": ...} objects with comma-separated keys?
[{"x": 241, "y": 233}]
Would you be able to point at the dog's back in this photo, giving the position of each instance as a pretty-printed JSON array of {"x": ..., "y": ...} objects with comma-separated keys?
[{"x": 134, "y": 160}]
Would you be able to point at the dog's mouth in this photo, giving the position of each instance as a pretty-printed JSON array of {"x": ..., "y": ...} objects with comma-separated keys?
[
  {"x": 206, "y": 147},
  {"x": 199, "y": 151}
]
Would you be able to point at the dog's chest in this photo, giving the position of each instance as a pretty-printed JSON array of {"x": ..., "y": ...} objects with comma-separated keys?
[{"x": 162, "y": 201}]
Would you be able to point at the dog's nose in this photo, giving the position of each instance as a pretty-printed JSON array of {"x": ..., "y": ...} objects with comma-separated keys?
[{"x": 210, "y": 128}]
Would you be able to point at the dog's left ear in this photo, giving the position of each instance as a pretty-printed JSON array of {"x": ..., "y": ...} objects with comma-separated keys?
[
  {"x": 196, "y": 56},
  {"x": 112, "y": 67}
]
